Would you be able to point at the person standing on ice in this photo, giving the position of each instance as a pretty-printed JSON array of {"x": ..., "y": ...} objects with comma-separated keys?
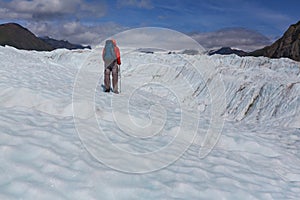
[{"x": 112, "y": 59}]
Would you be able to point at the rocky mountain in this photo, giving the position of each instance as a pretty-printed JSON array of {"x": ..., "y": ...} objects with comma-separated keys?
[
  {"x": 287, "y": 46},
  {"x": 227, "y": 51},
  {"x": 13, "y": 34},
  {"x": 58, "y": 44}
]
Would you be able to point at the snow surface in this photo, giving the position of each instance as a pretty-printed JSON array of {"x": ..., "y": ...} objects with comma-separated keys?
[{"x": 159, "y": 138}]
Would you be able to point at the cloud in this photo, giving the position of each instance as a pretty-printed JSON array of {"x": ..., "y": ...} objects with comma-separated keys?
[
  {"x": 156, "y": 38},
  {"x": 240, "y": 38},
  {"x": 6, "y": 13},
  {"x": 76, "y": 32},
  {"x": 60, "y": 19},
  {"x": 78, "y": 20},
  {"x": 147, "y": 4},
  {"x": 50, "y": 10}
]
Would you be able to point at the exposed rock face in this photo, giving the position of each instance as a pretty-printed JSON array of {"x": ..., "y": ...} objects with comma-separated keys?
[
  {"x": 227, "y": 51},
  {"x": 60, "y": 44},
  {"x": 13, "y": 34},
  {"x": 287, "y": 46}
]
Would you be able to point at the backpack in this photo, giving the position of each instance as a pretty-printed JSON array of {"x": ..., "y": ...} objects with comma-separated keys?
[{"x": 109, "y": 51}]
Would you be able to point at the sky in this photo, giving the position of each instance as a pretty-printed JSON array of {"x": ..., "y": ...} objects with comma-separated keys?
[{"x": 91, "y": 21}]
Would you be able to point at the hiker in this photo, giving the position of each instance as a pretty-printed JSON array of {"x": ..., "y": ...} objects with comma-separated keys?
[{"x": 111, "y": 57}]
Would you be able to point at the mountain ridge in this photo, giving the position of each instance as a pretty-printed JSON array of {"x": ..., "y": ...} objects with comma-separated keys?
[
  {"x": 15, "y": 35},
  {"x": 227, "y": 51},
  {"x": 59, "y": 44},
  {"x": 287, "y": 46}
]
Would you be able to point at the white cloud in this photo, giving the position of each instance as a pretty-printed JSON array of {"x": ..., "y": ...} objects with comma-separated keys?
[
  {"x": 43, "y": 6},
  {"x": 76, "y": 32},
  {"x": 49, "y": 10},
  {"x": 147, "y": 4},
  {"x": 60, "y": 19},
  {"x": 6, "y": 13},
  {"x": 63, "y": 19},
  {"x": 240, "y": 38},
  {"x": 72, "y": 27},
  {"x": 158, "y": 38}
]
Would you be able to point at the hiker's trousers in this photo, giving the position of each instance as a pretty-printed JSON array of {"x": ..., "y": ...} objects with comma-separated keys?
[{"x": 111, "y": 67}]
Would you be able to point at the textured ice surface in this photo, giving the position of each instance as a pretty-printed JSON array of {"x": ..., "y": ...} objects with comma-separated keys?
[{"x": 42, "y": 157}]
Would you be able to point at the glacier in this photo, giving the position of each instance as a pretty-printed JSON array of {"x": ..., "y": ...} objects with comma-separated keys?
[{"x": 163, "y": 137}]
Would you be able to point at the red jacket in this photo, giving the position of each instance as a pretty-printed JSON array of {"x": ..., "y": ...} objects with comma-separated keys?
[{"x": 117, "y": 51}]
